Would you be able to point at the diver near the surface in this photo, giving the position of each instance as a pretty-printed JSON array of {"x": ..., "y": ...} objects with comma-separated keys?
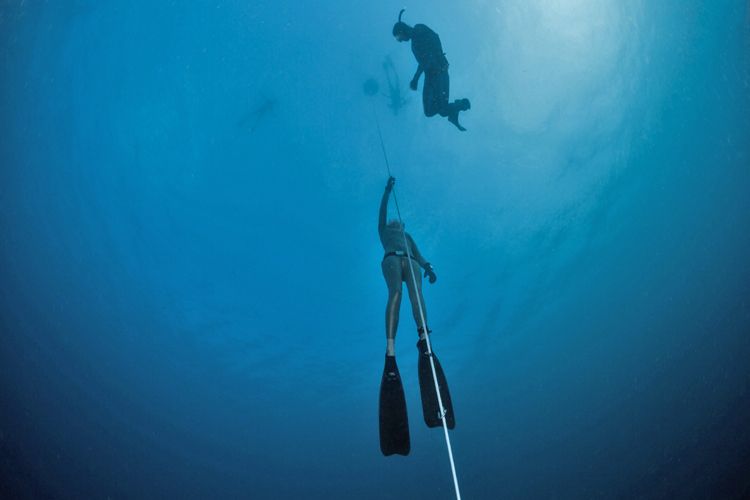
[
  {"x": 431, "y": 60},
  {"x": 394, "y": 426}
]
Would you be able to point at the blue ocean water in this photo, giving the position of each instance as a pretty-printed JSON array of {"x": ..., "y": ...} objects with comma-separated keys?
[{"x": 191, "y": 302}]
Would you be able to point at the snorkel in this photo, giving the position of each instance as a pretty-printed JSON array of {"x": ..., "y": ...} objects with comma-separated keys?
[{"x": 401, "y": 29}]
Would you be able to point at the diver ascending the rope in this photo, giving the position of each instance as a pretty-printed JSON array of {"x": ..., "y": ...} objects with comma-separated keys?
[
  {"x": 427, "y": 49},
  {"x": 394, "y": 426}
]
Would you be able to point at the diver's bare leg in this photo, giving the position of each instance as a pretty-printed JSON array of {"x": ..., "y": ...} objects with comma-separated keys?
[
  {"x": 413, "y": 294},
  {"x": 392, "y": 273}
]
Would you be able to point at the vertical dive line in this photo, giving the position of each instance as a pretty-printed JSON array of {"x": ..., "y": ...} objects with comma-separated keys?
[
  {"x": 421, "y": 315},
  {"x": 382, "y": 144},
  {"x": 432, "y": 360},
  {"x": 387, "y": 165}
]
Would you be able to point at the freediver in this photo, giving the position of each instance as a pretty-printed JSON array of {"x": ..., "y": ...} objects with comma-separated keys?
[
  {"x": 431, "y": 60},
  {"x": 394, "y": 426},
  {"x": 395, "y": 267}
]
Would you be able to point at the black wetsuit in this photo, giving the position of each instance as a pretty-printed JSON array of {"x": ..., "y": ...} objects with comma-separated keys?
[{"x": 427, "y": 49}]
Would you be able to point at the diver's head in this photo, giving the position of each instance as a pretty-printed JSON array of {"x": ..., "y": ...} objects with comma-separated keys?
[
  {"x": 395, "y": 224},
  {"x": 401, "y": 30}
]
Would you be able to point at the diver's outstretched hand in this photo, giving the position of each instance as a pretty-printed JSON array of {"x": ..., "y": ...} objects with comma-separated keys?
[
  {"x": 414, "y": 84},
  {"x": 390, "y": 183}
]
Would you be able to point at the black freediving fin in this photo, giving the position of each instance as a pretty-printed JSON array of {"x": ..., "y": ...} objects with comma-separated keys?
[
  {"x": 394, "y": 422},
  {"x": 430, "y": 405}
]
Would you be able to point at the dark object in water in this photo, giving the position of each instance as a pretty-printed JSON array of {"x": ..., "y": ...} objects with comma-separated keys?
[
  {"x": 371, "y": 87},
  {"x": 397, "y": 101},
  {"x": 252, "y": 119},
  {"x": 430, "y": 407},
  {"x": 394, "y": 422}
]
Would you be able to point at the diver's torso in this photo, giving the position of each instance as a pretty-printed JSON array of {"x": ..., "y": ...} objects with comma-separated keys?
[
  {"x": 427, "y": 49},
  {"x": 393, "y": 240}
]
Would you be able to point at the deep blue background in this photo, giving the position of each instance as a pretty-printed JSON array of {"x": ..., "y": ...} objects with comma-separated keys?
[{"x": 193, "y": 309}]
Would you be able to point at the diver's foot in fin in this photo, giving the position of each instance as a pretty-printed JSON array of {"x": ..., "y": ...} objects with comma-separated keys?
[
  {"x": 394, "y": 422},
  {"x": 456, "y": 106},
  {"x": 453, "y": 118},
  {"x": 430, "y": 406}
]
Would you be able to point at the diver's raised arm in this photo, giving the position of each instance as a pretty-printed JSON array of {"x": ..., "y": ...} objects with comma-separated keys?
[{"x": 383, "y": 214}]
